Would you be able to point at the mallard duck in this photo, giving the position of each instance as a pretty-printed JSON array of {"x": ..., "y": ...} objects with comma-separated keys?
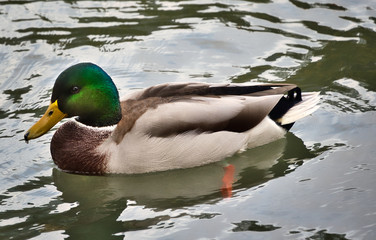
[{"x": 167, "y": 126}]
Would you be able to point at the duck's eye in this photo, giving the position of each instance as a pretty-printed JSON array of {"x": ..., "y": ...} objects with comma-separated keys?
[{"x": 75, "y": 89}]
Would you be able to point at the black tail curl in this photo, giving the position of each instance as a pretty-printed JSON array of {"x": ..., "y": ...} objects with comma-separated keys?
[{"x": 285, "y": 103}]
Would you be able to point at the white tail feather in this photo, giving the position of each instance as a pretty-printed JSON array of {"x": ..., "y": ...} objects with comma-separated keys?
[{"x": 304, "y": 108}]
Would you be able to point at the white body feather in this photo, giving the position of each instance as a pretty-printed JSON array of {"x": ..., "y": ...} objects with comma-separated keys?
[{"x": 139, "y": 153}]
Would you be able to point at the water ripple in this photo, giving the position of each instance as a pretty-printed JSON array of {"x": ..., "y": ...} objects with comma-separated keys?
[{"x": 326, "y": 46}]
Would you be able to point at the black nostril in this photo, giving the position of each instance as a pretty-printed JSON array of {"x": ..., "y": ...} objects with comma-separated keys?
[{"x": 26, "y": 137}]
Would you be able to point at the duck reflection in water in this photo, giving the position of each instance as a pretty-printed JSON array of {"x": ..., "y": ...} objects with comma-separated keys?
[{"x": 187, "y": 187}]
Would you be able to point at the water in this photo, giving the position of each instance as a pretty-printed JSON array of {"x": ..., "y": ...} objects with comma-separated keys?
[{"x": 317, "y": 183}]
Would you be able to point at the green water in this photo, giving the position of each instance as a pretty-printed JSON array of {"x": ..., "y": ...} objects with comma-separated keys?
[{"x": 317, "y": 183}]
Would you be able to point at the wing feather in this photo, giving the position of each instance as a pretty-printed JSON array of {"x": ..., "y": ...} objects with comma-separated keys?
[
  {"x": 205, "y": 89},
  {"x": 206, "y": 114},
  {"x": 174, "y": 108}
]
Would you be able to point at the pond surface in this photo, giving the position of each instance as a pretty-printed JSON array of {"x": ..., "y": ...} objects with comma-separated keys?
[{"x": 317, "y": 183}]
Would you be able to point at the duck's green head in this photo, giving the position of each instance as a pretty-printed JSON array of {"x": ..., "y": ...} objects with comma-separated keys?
[{"x": 84, "y": 90}]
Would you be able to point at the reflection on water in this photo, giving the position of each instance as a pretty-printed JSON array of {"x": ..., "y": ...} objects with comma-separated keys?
[
  {"x": 190, "y": 186},
  {"x": 141, "y": 200},
  {"x": 326, "y": 46}
]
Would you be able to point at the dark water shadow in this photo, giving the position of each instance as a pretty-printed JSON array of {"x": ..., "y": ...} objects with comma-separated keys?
[
  {"x": 99, "y": 200},
  {"x": 187, "y": 187}
]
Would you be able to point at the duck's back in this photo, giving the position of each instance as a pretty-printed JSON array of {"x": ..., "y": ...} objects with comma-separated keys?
[{"x": 186, "y": 125}]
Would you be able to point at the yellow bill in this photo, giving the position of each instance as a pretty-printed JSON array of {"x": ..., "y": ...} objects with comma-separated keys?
[{"x": 52, "y": 116}]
